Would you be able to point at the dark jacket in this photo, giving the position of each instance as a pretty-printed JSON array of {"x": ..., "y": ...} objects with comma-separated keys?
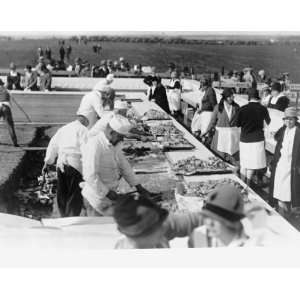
[
  {"x": 209, "y": 100},
  {"x": 160, "y": 97},
  {"x": 295, "y": 169},
  {"x": 281, "y": 104},
  {"x": 251, "y": 119},
  {"x": 14, "y": 82}
]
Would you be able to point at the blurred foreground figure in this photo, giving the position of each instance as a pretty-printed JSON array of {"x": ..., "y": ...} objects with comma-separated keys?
[{"x": 146, "y": 225}]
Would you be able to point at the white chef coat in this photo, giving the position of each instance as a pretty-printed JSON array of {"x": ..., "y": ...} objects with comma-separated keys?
[
  {"x": 103, "y": 166},
  {"x": 282, "y": 181},
  {"x": 91, "y": 106},
  {"x": 66, "y": 146},
  {"x": 101, "y": 124}
]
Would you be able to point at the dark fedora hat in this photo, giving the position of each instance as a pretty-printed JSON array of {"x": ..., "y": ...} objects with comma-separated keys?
[
  {"x": 253, "y": 94},
  {"x": 137, "y": 217},
  {"x": 276, "y": 86},
  {"x": 227, "y": 92}
]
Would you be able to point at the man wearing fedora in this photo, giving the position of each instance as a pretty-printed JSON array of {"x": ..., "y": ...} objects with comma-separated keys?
[
  {"x": 5, "y": 112},
  {"x": 104, "y": 164},
  {"x": 285, "y": 167}
]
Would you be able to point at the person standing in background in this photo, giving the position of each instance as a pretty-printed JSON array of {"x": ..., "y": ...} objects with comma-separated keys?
[
  {"x": 40, "y": 52},
  {"x": 62, "y": 53},
  {"x": 45, "y": 79},
  {"x": 204, "y": 112},
  {"x": 69, "y": 51},
  {"x": 30, "y": 79},
  {"x": 160, "y": 94},
  {"x": 251, "y": 119},
  {"x": 48, "y": 53},
  {"x": 5, "y": 112},
  {"x": 278, "y": 100},
  {"x": 226, "y": 138},
  {"x": 13, "y": 81},
  {"x": 285, "y": 166}
]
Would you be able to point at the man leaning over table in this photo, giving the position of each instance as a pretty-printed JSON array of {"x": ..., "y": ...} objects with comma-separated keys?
[{"x": 104, "y": 164}]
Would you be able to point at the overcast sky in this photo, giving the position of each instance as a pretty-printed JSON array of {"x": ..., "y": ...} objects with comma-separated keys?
[{"x": 200, "y": 33}]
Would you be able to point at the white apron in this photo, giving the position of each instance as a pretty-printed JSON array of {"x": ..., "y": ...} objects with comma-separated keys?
[
  {"x": 282, "y": 180},
  {"x": 201, "y": 121},
  {"x": 174, "y": 97},
  {"x": 253, "y": 155},
  {"x": 228, "y": 139}
]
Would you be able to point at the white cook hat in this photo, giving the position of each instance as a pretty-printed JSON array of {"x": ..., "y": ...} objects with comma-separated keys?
[
  {"x": 120, "y": 104},
  {"x": 110, "y": 77},
  {"x": 120, "y": 124}
]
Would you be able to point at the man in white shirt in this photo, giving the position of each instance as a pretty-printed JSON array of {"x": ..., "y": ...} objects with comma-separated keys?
[
  {"x": 65, "y": 146},
  {"x": 104, "y": 164},
  {"x": 93, "y": 103}
]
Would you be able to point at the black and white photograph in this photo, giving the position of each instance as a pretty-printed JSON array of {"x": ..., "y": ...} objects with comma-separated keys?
[
  {"x": 126, "y": 141},
  {"x": 142, "y": 140}
]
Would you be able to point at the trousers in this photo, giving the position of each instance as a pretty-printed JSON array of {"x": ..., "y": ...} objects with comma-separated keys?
[
  {"x": 5, "y": 113},
  {"x": 69, "y": 198}
]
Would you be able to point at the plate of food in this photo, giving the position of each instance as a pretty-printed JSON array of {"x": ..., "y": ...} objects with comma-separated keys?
[
  {"x": 164, "y": 129},
  {"x": 154, "y": 114},
  {"x": 175, "y": 143},
  {"x": 193, "y": 165}
]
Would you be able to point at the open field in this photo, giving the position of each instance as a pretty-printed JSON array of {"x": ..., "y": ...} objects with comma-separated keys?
[{"x": 205, "y": 58}]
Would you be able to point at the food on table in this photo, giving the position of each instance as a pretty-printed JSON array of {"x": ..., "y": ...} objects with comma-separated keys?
[
  {"x": 165, "y": 130},
  {"x": 203, "y": 188},
  {"x": 193, "y": 165},
  {"x": 176, "y": 142},
  {"x": 154, "y": 114}
]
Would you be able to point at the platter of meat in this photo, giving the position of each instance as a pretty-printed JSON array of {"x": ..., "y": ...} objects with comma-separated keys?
[
  {"x": 154, "y": 114},
  {"x": 193, "y": 165},
  {"x": 166, "y": 129},
  {"x": 191, "y": 196},
  {"x": 134, "y": 149},
  {"x": 173, "y": 143}
]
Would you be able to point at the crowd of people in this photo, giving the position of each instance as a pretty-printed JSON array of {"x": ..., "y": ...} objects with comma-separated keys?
[
  {"x": 90, "y": 162},
  {"x": 90, "y": 165}
]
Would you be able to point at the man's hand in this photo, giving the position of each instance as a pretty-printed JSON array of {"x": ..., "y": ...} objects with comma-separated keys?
[
  {"x": 45, "y": 169},
  {"x": 141, "y": 190},
  {"x": 112, "y": 195}
]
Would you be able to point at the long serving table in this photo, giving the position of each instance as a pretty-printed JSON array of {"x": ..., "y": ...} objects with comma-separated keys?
[{"x": 274, "y": 219}]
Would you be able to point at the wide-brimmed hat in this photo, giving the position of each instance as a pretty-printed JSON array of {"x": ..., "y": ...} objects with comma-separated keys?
[
  {"x": 120, "y": 124},
  {"x": 138, "y": 216},
  {"x": 290, "y": 112},
  {"x": 253, "y": 94},
  {"x": 224, "y": 204},
  {"x": 276, "y": 86},
  {"x": 148, "y": 80}
]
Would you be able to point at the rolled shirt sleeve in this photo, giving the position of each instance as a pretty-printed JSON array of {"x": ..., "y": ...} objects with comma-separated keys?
[{"x": 52, "y": 149}]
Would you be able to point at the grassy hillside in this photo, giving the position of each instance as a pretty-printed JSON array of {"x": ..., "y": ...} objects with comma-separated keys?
[{"x": 274, "y": 59}]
